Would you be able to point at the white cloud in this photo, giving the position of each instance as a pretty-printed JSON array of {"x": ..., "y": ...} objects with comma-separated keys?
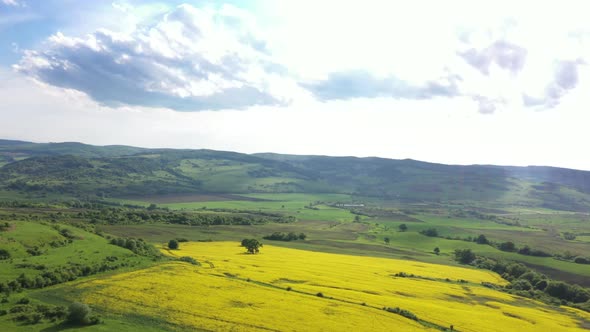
[
  {"x": 192, "y": 59},
  {"x": 215, "y": 58},
  {"x": 12, "y": 3},
  {"x": 499, "y": 52}
]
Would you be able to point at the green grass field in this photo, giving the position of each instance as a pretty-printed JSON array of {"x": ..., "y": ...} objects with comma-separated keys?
[{"x": 289, "y": 204}]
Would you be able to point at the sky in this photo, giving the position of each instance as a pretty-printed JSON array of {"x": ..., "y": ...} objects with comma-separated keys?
[{"x": 455, "y": 82}]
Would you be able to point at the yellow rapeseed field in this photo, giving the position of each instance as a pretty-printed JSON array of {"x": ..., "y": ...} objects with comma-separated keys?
[{"x": 278, "y": 288}]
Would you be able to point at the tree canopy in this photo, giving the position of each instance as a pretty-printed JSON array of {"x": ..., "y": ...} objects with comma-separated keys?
[
  {"x": 252, "y": 245},
  {"x": 173, "y": 244}
]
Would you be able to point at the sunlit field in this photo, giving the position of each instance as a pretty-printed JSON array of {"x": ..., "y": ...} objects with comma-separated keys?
[{"x": 282, "y": 289}]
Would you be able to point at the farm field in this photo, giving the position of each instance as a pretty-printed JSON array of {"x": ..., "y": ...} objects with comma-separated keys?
[
  {"x": 278, "y": 290},
  {"x": 332, "y": 229},
  {"x": 349, "y": 243}
]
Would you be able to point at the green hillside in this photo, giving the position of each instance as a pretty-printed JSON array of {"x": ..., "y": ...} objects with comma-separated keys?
[{"x": 74, "y": 169}]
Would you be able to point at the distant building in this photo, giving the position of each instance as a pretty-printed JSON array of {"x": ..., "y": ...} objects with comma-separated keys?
[{"x": 349, "y": 205}]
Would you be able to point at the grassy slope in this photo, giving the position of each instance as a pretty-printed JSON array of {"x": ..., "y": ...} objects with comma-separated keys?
[{"x": 86, "y": 249}]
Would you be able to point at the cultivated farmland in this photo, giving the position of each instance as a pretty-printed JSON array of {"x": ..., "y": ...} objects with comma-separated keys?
[{"x": 284, "y": 289}]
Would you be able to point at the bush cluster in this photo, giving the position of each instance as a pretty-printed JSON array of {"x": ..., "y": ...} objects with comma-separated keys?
[
  {"x": 529, "y": 283},
  {"x": 432, "y": 232},
  {"x": 189, "y": 259},
  {"x": 59, "y": 275},
  {"x": 280, "y": 236},
  {"x": 27, "y": 313},
  {"x": 138, "y": 246},
  {"x": 401, "y": 312}
]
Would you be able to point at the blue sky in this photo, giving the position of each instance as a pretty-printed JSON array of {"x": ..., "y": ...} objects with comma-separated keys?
[{"x": 455, "y": 82}]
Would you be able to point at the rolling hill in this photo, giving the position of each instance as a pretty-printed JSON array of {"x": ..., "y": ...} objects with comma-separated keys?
[{"x": 75, "y": 169}]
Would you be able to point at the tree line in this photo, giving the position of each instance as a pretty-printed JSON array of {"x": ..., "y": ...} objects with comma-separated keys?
[
  {"x": 527, "y": 282},
  {"x": 280, "y": 236},
  {"x": 124, "y": 216}
]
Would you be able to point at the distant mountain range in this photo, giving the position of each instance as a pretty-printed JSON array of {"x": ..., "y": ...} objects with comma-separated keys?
[{"x": 81, "y": 170}]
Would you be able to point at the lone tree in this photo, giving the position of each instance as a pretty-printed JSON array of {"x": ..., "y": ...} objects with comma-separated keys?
[
  {"x": 173, "y": 244},
  {"x": 80, "y": 314},
  {"x": 436, "y": 250},
  {"x": 403, "y": 227},
  {"x": 386, "y": 240},
  {"x": 252, "y": 245},
  {"x": 357, "y": 218}
]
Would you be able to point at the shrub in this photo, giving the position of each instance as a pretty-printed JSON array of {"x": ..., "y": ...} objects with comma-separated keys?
[
  {"x": 582, "y": 260},
  {"x": 4, "y": 254},
  {"x": 521, "y": 284},
  {"x": 526, "y": 250},
  {"x": 464, "y": 256},
  {"x": 173, "y": 244},
  {"x": 481, "y": 239},
  {"x": 507, "y": 246},
  {"x": 541, "y": 285},
  {"x": 569, "y": 236},
  {"x": 320, "y": 294},
  {"x": 189, "y": 260},
  {"x": 23, "y": 300},
  {"x": 401, "y": 312},
  {"x": 532, "y": 277},
  {"x": 432, "y": 232},
  {"x": 20, "y": 308},
  {"x": 35, "y": 251},
  {"x": 79, "y": 314},
  {"x": 516, "y": 270},
  {"x": 4, "y": 226},
  {"x": 67, "y": 233}
]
